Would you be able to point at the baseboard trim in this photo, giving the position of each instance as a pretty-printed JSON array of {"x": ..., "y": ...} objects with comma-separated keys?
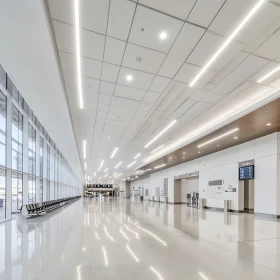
[
  {"x": 222, "y": 209},
  {"x": 267, "y": 215}
]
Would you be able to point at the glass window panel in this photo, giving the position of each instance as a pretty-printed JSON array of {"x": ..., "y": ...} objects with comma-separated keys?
[
  {"x": 16, "y": 192},
  {"x": 2, "y": 194},
  {"x": 3, "y": 77},
  {"x": 3, "y": 112},
  {"x": 31, "y": 189}
]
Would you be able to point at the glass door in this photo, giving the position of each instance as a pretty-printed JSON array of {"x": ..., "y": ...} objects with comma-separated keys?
[{"x": 17, "y": 192}]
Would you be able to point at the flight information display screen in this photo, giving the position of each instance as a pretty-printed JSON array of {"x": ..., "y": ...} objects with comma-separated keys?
[
  {"x": 100, "y": 186},
  {"x": 246, "y": 172}
]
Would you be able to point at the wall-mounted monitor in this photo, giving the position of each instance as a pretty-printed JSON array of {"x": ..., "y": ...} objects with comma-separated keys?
[
  {"x": 100, "y": 186},
  {"x": 246, "y": 172}
]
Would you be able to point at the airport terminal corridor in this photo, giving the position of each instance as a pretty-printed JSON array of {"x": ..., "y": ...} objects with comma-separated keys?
[{"x": 115, "y": 238}]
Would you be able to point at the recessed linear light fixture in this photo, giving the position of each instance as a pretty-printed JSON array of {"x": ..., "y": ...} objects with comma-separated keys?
[
  {"x": 227, "y": 42},
  {"x": 138, "y": 155},
  {"x": 268, "y": 75},
  {"x": 106, "y": 169},
  {"x": 78, "y": 52},
  {"x": 217, "y": 138},
  {"x": 84, "y": 149},
  {"x": 114, "y": 152},
  {"x": 154, "y": 139},
  {"x": 159, "y": 166},
  {"x": 118, "y": 164},
  {"x": 157, "y": 149},
  {"x": 94, "y": 174},
  {"x": 131, "y": 164},
  {"x": 118, "y": 175},
  {"x": 101, "y": 164},
  {"x": 106, "y": 175},
  {"x": 268, "y": 124},
  {"x": 85, "y": 166}
]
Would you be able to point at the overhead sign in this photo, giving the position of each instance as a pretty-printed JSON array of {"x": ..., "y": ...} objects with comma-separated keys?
[
  {"x": 187, "y": 175},
  {"x": 100, "y": 186}
]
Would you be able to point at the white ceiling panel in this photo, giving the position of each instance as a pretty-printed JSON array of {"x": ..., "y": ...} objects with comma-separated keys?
[
  {"x": 159, "y": 84},
  {"x": 107, "y": 88},
  {"x": 198, "y": 108},
  {"x": 110, "y": 72},
  {"x": 151, "y": 97},
  {"x": 145, "y": 107},
  {"x": 129, "y": 92},
  {"x": 125, "y": 103},
  {"x": 172, "y": 108},
  {"x": 206, "y": 48},
  {"x": 62, "y": 10},
  {"x": 120, "y": 118},
  {"x": 152, "y": 24},
  {"x": 103, "y": 107},
  {"x": 267, "y": 69},
  {"x": 116, "y": 123},
  {"x": 150, "y": 60},
  {"x": 177, "y": 8},
  {"x": 270, "y": 48},
  {"x": 100, "y": 121},
  {"x": 185, "y": 106},
  {"x": 91, "y": 68},
  {"x": 120, "y": 18},
  {"x": 206, "y": 96},
  {"x": 139, "y": 80},
  {"x": 121, "y": 111},
  {"x": 114, "y": 50},
  {"x": 104, "y": 99},
  {"x": 171, "y": 65},
  {"x": 245, "y": 70},
  {"x": 186, "y": 41},
  {"x": 188, "y": 72},
  {"x": 101, "y": 115},
  {"x": 204, "y": 11}
]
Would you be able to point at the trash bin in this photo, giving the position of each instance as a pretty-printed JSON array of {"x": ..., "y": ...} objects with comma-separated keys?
[
  {"x": 226, "y": 205},
  {"x": 202, "y": 203}
]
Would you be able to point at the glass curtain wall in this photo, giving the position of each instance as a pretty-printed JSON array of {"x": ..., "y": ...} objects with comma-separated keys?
[
  {"x": 16, "y": 192},
  {"x": 41, "y": 169},
  {"x": 31, "y": 164}
]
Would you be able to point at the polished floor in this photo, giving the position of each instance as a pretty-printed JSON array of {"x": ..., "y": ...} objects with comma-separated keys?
[{"x": 123, "y": 239}]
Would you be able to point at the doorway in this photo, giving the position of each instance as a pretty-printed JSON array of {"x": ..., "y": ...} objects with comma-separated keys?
[{"x": 249, "y": 196}]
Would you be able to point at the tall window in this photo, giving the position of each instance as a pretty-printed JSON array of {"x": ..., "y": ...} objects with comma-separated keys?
[
  {"x": 17, "y": 127},
  {"x": 41, "y": 190},
  {"x": 48, "y": 172},
  {"x": 16, "y": 192},
  {"x": 31, "y": 189},
  {"x": 3, "y": 118},
  {"x": 31, "y": 150},
  {"x": 41, "y": 157},
  {"x": 2, "y": 194}
]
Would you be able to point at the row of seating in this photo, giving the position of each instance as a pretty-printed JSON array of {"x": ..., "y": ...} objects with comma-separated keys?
[{"x": 41, "y": 208}]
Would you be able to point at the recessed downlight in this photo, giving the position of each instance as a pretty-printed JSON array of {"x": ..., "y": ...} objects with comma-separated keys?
[
  {"x": 118, "y": 164},
  {"x": 268, "y": 124},
  {"x": 162, "y": 35},
  {"x": 159, "y": 166},
  {"x": 129, "y": 78},
  {"x": 235, "y": 137}
]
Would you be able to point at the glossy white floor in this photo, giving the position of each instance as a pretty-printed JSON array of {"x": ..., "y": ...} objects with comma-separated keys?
[{"x": 120, "y": 239}]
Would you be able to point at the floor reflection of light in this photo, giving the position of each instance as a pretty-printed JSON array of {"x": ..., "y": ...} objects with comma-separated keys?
[
  {"x": 79, "y": 276},
  {"x": 156, "y": 272},
  {"x": 105, "y": 256},
  {"x": 132, "y": 254},
  {"x": 203, "y": 276},
  {"x": 128, "y": 228},
  {"x": 109, "y": 236},
  {"x": 97, "y": 236},
  {"x": 84, "y": 249},
  {"x": 124, "y": 235},
  {"x": 156, "y": 237}
]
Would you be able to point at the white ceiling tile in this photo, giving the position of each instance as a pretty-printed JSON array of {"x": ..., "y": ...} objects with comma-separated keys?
[
  {"x": 114, "y": 50},
  {"x": 90, "y": 105},
  {"x": 159, "y": 84},
  {"x": 139, "y": 80},
  {"x": 151, "y": 97},
  {"x": 103, "y": 107},
  {"x": 206, "y": 96},
  {"x": 187, "y": 40},
  {"x": 104, "y": 99},
  {"x": 198, "y": 109},
  {"x": 207, "y": 47},
  {"x": 264, "y": 71},
  {"x": 150, "y": 60},
  {"x": 177, "y": 8},
  {"x": 145, "y": 107},
  {"x": 185, "y": 119},
  {"x": 96, "y": 19},
  {"x": 121, "y": 111},
  {"x": 172, "y": 108},
  {"x": 186, "y": 92},
  {"x": 188, "y": 72},
  {"x": 62, "y": 10},
  {"x": 270, "y": 48},
  {"x": 152, "y": 127},
  {"x": 110, "y": 72},
  {"x": 91, "y": 68},
  {"x": 116, "y": 123},
  {"x": 129, "y": 92},
  {"x": 240, "y": 74},
  {"x": 100, "y": 121},
  {"x": 153, "y": 24},
  {"x": 107, "y": 88},
  {"x": 204, "y": 11},
  {"x": 120, "y": 118},
  {"x": 209, "y": 86},
  {"x": 185, "y": 106},
  {"x": 171, "y": 65},
  {"x": 101, "y": 115},
  {"x": 229, "y": 67},
  {"x": 140, "y": 115},
  {"x": 120, "y": 18},
  {"x": 123, "y": 102}
]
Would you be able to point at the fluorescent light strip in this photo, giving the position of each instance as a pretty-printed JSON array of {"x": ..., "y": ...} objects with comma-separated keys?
[
  {"x": 202, "y": 276},
  {"x": 124, "y": 235},
  {"x": 106, "y": 169},
  {"x": 101, "y": 164},
  {"x": 113, "y": 154},
  {"x": 84, "y": 149},
  {"x": 269, "y": 74},
  {"x": 138, "y": 155},
  {"x": 159, "y": 166},
  {"x": 132, "y": 254},
  {"x": 106, "y": 175},
  {"x": 226, "y": 43},
  {"x": 131, "y": 164},
  {"x": 157, "y": 149},
  {"x": 118, "y": 164},
  {"x": 78, "y": 52},
  {"x": 156, "y": 273},
  {"x": 154, "y": 139},
  {"x": 156, "y": 237},
  {"x": 118, "y": 175},
  {"x": 217, "y": 138},
  {"x": 85, "y": 166}
]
